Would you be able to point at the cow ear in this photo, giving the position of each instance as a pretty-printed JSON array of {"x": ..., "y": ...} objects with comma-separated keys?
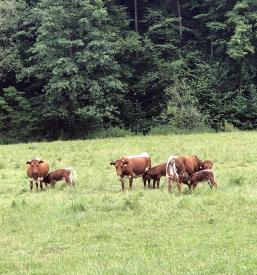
[
  {"x": 28, "y": 162},
  {"x": 112, "y": 162}
]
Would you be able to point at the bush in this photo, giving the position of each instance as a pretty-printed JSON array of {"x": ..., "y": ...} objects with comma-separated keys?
[
  {"x": 7, "y": 140},
  {"x": 169, "y": 129},
  {"x": 109, "y": 132},
  {"x": 228, "y": 127}
]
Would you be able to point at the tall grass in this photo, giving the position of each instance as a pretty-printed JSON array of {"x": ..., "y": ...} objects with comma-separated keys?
[{"x": 96, "y": 229}]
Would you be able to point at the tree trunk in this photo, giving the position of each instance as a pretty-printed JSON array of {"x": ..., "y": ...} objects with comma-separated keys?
[
  {"x": 136, "y": 21},
  {"x": 211, "y": 48},
  {"x": 179, "y": 20}
]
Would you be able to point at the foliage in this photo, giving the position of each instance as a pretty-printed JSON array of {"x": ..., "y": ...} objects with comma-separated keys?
[
  {"x": 16, "y": 113},
  {"x": 82, "y": 67}
]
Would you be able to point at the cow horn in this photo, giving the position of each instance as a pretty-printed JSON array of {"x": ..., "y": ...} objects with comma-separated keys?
[{"x": 28, "y": 161}]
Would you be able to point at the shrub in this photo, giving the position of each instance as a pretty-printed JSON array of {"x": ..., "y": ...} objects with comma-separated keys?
[{"x": 109, "y": 132}]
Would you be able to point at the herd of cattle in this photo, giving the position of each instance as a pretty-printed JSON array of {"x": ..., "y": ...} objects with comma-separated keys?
[{"x": 189, "y": 170}]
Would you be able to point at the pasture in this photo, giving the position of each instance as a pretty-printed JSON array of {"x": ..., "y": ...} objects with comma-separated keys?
[{"x": 96, "y": 229}]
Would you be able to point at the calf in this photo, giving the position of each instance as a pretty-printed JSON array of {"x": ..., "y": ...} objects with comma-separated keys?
[
  {"x": 131, "y": 167},
  {"x": 206, "y": 165},
  {"x": 155, "y": 174},
  {"x": 204, "y": 175},
  {"x": 67, "y": 174}
]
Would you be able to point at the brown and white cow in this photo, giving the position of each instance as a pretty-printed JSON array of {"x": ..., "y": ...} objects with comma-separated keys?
[
  {"x": 37, "y": 169},
  {"x": 67, "y": 174},
  {"x": 180, "y": 169},
  {"x": 131, "y": 167},
  {"x": 203, "y": 175},
  {"x": 155, "y": 174}
]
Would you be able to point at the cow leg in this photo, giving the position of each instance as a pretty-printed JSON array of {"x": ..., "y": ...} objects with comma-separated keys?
[
  {"x": 158, "y": 183},
  {"x": 71, "y": 182},
  {"x": 149, "y": 183},
  {"x": 37, "y": 185},
  {"x": 179, "y": 186},
  {"x": 170, "y": 185},
  {"x": 41, "y": 184},
  {"x": 144, "y": 183},
  {"x": 130, "y": 182},
  {"x": 190, "y": 187},
  {"x": 122, "y": 184},
  {"x": 68, "y": 181},
  {"x": 212, "y": 182},
  {"x": 154, "y": 181},
  {"x": 31, "y": 184}
]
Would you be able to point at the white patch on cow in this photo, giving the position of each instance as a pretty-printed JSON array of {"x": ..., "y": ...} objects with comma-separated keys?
[
  {"x": 206, "y": 170},
  {"x": 37, "y": 158},
  {"x": 171, "y": 171},
  {"x": 73, "y": 174},
  {"x": 143, "y": 155}
]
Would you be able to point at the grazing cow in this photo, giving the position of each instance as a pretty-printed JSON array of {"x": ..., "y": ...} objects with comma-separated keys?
[
  {"x": 67, "y": 174},
  {"x": 180, "y": 168},
  {"x": 131, "y": 167},
  {"x": 155, "y": 174},
  {"x": 203, "y": 175},
  {"x": 37, "y": 169}
]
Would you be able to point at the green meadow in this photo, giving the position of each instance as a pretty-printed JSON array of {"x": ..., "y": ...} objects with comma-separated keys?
[{"x": 94, "y": 228}]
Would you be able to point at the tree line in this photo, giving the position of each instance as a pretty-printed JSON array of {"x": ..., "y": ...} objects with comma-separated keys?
[{"x": 70, "y": 68}]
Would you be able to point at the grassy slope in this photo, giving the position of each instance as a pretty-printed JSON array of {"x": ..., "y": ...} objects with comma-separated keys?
[{"x": 96, "y": 229}]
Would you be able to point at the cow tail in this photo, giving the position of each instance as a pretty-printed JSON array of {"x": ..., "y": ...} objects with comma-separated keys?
[
  {"x": 171, "y": 170},
  {"x": 175, "y": 169}
]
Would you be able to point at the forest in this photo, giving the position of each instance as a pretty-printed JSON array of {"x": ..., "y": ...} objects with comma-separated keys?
[{"x": 73, "y": 68}]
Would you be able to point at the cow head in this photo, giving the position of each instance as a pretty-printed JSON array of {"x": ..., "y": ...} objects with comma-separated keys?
[
  {"x": 34, "y": 166},
  {"x": 207, "y": 164},
  {"x": 120, "y": 165}
]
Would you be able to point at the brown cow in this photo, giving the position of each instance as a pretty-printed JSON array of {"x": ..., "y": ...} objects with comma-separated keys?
[
  {"x": 67, "y": 174},
  {"x": 131, "y": 167},
  {"x": 180, "y": 168},
  {"x": 155, "y": 174},
  {"x": 204, "y": 175},
  {"x": 37, "y": 169}
]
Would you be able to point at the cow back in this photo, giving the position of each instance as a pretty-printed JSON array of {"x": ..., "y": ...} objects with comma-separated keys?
[
  {"x": 158, "y": 170},
  {"x": 139, "y": 165},
  {"x": 44, "y": 168},
  {"x": 188, "y": 164}
]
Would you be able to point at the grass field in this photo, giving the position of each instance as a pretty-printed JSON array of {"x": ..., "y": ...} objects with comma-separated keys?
[{"x": 96, "y": 229}]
